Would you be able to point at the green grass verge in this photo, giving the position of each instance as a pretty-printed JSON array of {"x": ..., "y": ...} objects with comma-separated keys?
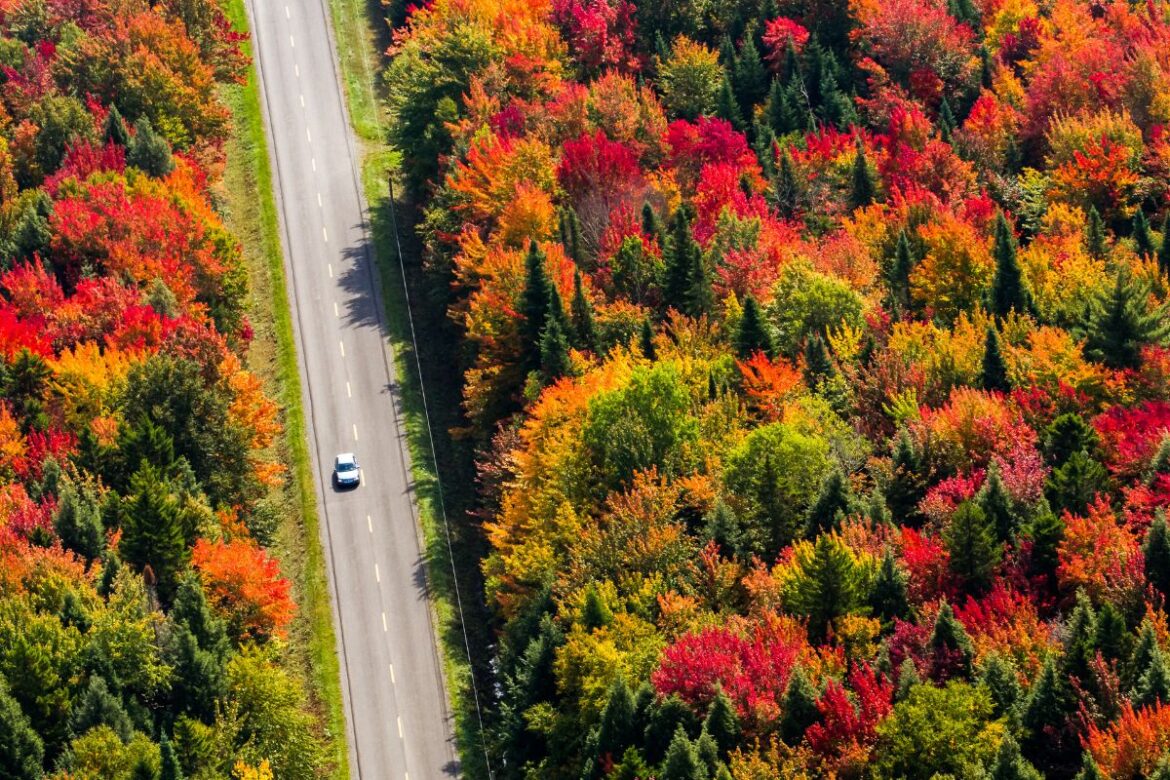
[
  {"x": 249, "y": 209},
  {"x": 360, "y": 36}
]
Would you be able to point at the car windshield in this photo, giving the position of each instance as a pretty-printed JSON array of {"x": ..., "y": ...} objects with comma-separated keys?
[{"x": 346, "y": 466}]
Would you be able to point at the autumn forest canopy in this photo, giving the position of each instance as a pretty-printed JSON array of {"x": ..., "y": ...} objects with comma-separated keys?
[
  {"x": 143, "y": 623},
  {"x": 816, "y": 359}
]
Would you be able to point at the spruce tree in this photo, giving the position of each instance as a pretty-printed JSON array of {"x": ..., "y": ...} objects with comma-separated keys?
[
  {"x": 149, "y": 152},
  {"x": 726, "y": 106},
  {"x": 1157, "y": 554},
  {"x": 616, "y": 730},
  {"x": 994, "y": 372},
  {"x": 1046, "y": 531},
  {"x": 666, "y": 718},
  {"x": 1075, "y": 485},
  {"x": 900, "y": 270},
  {"x": 646, "y": 341},
  {"x": 749, "y": 76},
  {"x": 78, "y": 521},
  {"x": 1111, "y": 637},
  {"x": 1164, "y": 248},
  {"x": 818, "y": 366},
  {"x": 700, "y": 298},
  {"x": 1046, "y": 712},
  {"x": 1009, "y": 764},
  {"x": 535, "y": 305},
  {"x": 722, "y": 723},
  {"x": 1121, "y": 324},
  {"x": 682, "y": 760},
  {"x": 169, "y": 768},
  {"x": 799, "y": 708},
  {"x": 708, "y": 751},
  {"x": 907, "y": 678},
  {"x": 863, "y": 188},
  {"x": 650, "y": 224},
  {"x": 889, "y": 597},
  {"x": 1160, "y": 465},
  {"x": 1142, "y": 656},
  {"x": 21, "y": 751},
  {"x": 1000, "y": 678},
  {"x": 584, "y": 331},
  {"x": 765, "y": 148},
  {"x": 1066, "y": 435},
  {"x": 680, "y": 257},
  {"x": 154, "y": 529},
  {"x": 554, "y": 352},
  {"x": 752, "y": 335},
  {"x": 997, "y": 505},
  {"x": 1089, "y": 769},
  {"x": 787, "y": 187},
  {"x": 115, "y": 131},
  {"x": 1143, "y": 241},
  {"x": 1154, "y": 684},
  {"x": 832, "y": 505},
  {"x": 829, "y": 588},
  {"x": 946, "y": 120},
  {"x": 1095, "y": 239},
  {"x": 595, "y": 613},
  {"x": 778, "y": 112},
  {"x": 950, "y": 648},
  {"x": 99, "y": 707},
  {"x": 974, "y": 550},
  {"x": 906, "y": 487},
  {"x": 574, "y": 231},
  {"x": 1008, "y": 290}
]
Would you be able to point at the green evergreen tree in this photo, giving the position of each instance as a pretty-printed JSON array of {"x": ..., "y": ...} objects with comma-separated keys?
[
  {"x": 1009, "y": 764},
  {"x": 1142, "y": 656},
  {"x": 1121, "y": 323},
  {"x": 946, "y": 120},
  {"x": 535, "y": 306},
  {"x": 818, "y": 365},
  {"x": 155, "y": 529},
  {"x": 708, "y": 752},
  {"x": 700, "y": 299},
  {"x": 1154, "y": 684},
  {"x": 831, "y": 586},
  {"x": 1163, "y": 256},
  {"x": 99, "y": 707},
  {"x": 787, "y": 189},
  {"x": 1089, "y": 769},
  {"x": 863, "y": 186},
  {"x": 584, "y": 330},
  {"x": 1008, "y": 289},
  {"x": 78, "y": 521},
  {"x": 666, "y": 718},
  {"x": 616, "y": 731},
  {"x": 973, "y": 547},
  {"x": 951, "y": 651},
  {"x": 595, "y": 613},
  {"x": 169, "y": 768},
  {"x": 908, "y": 678},
  {"x": 994, "y": 372},
  {"x": 21, "y": 750},
  {"x": 722, "y": 723},
  {"x": 1074, "y": 485},
  {"x": 554, "y": 352},
  {"x": 832, "y": 505},
  {"x": 650, "y": 224},
  {"x": 1110, "y": 635},
  {"x": 149, "y": 152},
  {"x": 1143, "y": 240},
  {"x": 998, "y": 507},
  {"x": 906, "y": 486},
  {"x": 726, "y": 106},
  {"x": 1046, "y": 531},
  {"x": 876, "y": 509},
  {"x": 777, "y": 110},
  {"x": 749, "y": 76},
  {"x": 1066, "y": 435},
  {"x": 1096, "y": 241},
  {"x": 574, "y": 250},
  {"x": 753, "y": 335},
  {"x": 1001, "y": 680},
  {"x": 115, "y": 130},
  {"x": 646, "y": 341},
  {"x": 799, "y": 708},
  {"x": 765, "y": 148},
  {"x": 1046, "y": 712},
  {"x": 889, "y": 597},
  {"x": 682, "y": 760},
  {"x": 1157, "y": 554},
  {"x": 900, "y": 270},
  {"x": 680, "y": 257},
  {"x": 1160, "y": 465}
]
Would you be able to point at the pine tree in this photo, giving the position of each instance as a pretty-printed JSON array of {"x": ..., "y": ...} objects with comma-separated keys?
[
  {"x": 169, "y": 768},
  {"x": 154, "y": 529},
  {"x": 722, "y": 723},
  {"x": 832, "y": 505},
  {"x": 787, "y": 187},
  {"x": 700, "y": 299},
  {"x": 889, "y": 598},
  {"x": 78, "y": 521},
  {"x": 646, "y": 341},
  {"x": 973, "y": 547},
  {"x": 708, "y": 752},
  {"x": 818, "y": 366},
  {"x": 148, "y": 151},
  {"x": 1160, "y": 465},
  {"x": 799, "y": 708},
  {"x": 535, "y": 305},
  {"x": 1164, "y": 247},
  {"x": 900, "y": 270},
  {"x": 876, "y": 509},
  {"x": 650, "y": 224},
  {"x": 99, "y": 707},
  {"x": 1046, "y": 711},
  {"x": 863, "y": 186},
  {"x": 765, "y": 148},
  {"x": 1066, "y": 435},
  {"x": 994, "y": 373},
  {"x": 554, "y": 352},
  {"x": 778, "y": 111},
  {"x": 1046, "y": 531},
  {"x": 573, "y": 248},
  {"x": 1121, "y": 324},
  {"x": 946, "y": 120},
  {"x": 726, "y": 106},
  {"x": 1009, "y": 764},
  {"x": 1074, "y": 485},
  {"x": 1142, "y": 656},
  {"x": 666, "y": 717},
  {"x": 616, "y": 731},
  {"x": 21, "y": 750},
  {"x": 749, "y": 76},
  {"x": 906, "y": 487},
  {"x": 907, "y": 678},
  {"x": 115, "y": 130},
  {"x": 584, "y": 331},
  {"x": 752, "y": 335},
  {"x": 1095, "y": 239},
  {"x": 997, "y": 505},
  {"x": 1154, "y": 684},
  {"x": 1008, "y": 290},
  {"x": 1143, "y": 241},
  {"x": 950, "y": 647},
  {"x": 1001, "y": 680},
  {"x": 682, "y": 760},
  {"x": 1110, "y": 635},
  {"x": 1157, "y": 554},
  {"x": 830, "y": 587},
  {"x": 680, "y": 257}
]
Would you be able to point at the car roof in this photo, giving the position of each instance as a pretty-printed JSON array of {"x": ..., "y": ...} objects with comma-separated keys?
[{"x": 346, "y": 457}]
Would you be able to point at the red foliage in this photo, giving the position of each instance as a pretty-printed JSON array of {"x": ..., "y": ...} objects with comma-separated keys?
[
  {"x": 599, "y": 33},
  {"x": 1130, "y": 436},
  {"x": 244, "y": 583},
  {"x": 778, "y": 33},
  {"x": 847, "y": 731},
  {"x": 925, "y": 559},
  {"x": 694, "y": 145}
]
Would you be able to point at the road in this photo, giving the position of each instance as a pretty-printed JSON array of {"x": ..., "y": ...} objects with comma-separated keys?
[{"x": 398, "y": 721}]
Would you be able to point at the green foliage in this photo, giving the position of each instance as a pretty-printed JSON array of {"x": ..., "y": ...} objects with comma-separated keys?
[
  {"x": 993, "y": 375},
  {"x": 1154, "y": 684},
  {"x": 1010, "y": 765},
  {"x": 863, "y": 184},
  {"x": 998, "y": 506},
  {"x": 833, "y": 504},
  {"x": 682, "y": 760},
  {"x": 115, "y": 130},
  {"x": 1000, "y": 678},
  {"x": 722, "y": 723},
  {"x": 889, "y": 598},
  {"x": 786, "y": 189},
  {"x": 974, "y": 549},
  {"x": 1009, "y": 292},
  {"x": 156, "y": 530},
  {"x": 668, "y": 716},
  {"x": 169, "y": 768},
  {"x": 749, "y": 76},
  {"x": 581, "y": 315},
  {"x": 554, "y": 352},
  {"x": 99, "y": 707},
  {"x": 938, "y": 730},
  {"x": 726, "y": 105},
  {"x": 1121, "y": 323},
  {"x": 78, "y": 520},
  {"x": 646, "y": 341},
  {"x": 1075, "y": 485},
  {"x": 1046, "y": 710},
  {"x": 149, "y": 151},
  {"x": 616, "y": 731},
  {"x": 950, "y": 644},
  {"x": 21, "y": 751},
  {"x": 905, "y": 488},
  {"x": 799, "y": 708},
  {"x": 1046, "y": 531},
  {"x": 1157, "y": 554},
  {"x": 680, "y": 255},
  {"x": 1163, "y": 256},
  {"x": 752, "y": 335},
  {"x": 535, "y": 306},
  {"x": 1095, "y": 238},
  {"x": 1143, "y": 240},
  {"x": 807, "y": 302},
  {"x": 831, "y": 584},
  {"x": 1066, "y": 435}
]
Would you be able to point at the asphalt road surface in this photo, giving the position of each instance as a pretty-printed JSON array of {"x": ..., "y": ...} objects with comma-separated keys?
[{"x": 398, "y": 721}]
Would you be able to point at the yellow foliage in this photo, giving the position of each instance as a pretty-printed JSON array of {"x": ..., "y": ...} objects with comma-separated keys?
[
  {"x": 242, "y": 771},
  {"x": 956, "y": 270}
]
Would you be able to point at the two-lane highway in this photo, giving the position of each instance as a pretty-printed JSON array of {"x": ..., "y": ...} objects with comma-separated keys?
[{"x": 399, "y": 725}]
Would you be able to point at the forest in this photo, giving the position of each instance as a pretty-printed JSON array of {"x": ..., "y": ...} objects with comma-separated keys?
[
  {"x": 143, "y": 622},
  {"x": 816, "y": 358}
]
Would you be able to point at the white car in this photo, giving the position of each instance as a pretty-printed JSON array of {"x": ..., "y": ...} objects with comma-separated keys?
[{"x": 346, "y": 471}]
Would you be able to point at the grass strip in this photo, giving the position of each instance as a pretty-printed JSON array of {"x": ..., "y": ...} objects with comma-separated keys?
[{"x": 249, "y": 208}]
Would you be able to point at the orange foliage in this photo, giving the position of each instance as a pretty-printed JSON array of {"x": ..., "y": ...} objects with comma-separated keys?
[
  {"x": 1100, "y": 555},
  {"x": 245, "y": 584},
  {"x": 1132, "y": 745}
]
